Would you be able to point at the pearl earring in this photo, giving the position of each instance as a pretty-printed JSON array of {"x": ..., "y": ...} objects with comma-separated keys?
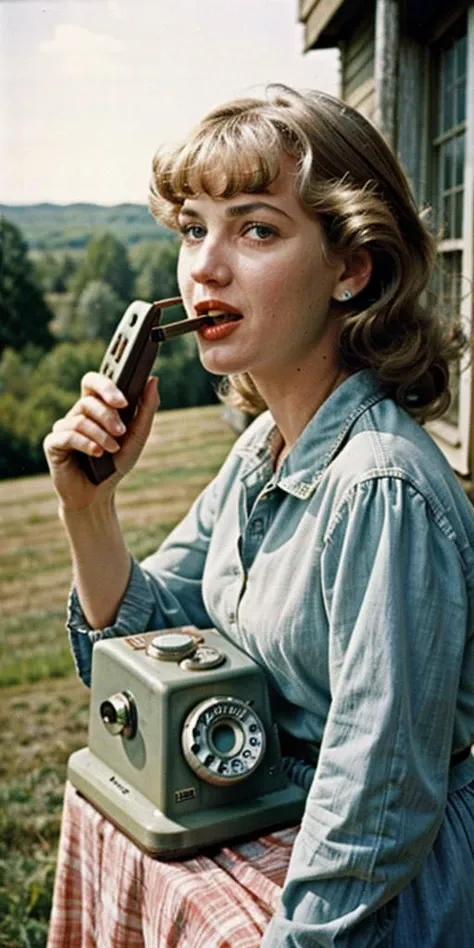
[{"x": 345, "y": 296}]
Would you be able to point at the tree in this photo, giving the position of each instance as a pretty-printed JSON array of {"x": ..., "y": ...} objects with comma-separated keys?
[
  {"x": 106, "y": 260},
  {"x": 156, "y": 267},
  {"x": 14, "y": 374},
  {"x": 65, "y": 365},
  {"x": 36, "y": 416},
  {"x": 98, "y": 311},
  {"x": 24, "y": 315},
  {"x": 14, "y": 448},
  {"x": 54, "y": 271}
]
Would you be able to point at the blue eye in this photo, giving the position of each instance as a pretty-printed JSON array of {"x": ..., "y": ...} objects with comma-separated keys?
[
  {"x": 262, "y": 231},
  {"x": 193, "y": 231}
]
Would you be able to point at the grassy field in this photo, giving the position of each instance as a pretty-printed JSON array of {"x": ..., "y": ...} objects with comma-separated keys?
[{"x": 43, "y": 707}]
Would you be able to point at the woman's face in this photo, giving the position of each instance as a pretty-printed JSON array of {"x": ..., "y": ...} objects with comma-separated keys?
[{"x": 261, "y": 255}]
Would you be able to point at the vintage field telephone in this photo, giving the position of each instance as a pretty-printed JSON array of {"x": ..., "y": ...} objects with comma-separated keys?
[
  {"x": 129, "y": 359},
  {"x": 182, "y": 750}
]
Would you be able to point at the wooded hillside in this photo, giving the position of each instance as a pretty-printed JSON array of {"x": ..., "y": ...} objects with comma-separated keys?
[{"x": 69, "y": 226}]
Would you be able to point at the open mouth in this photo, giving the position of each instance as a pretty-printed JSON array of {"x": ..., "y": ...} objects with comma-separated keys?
[
  {"x": 217, "y": 310},
  {"x": 217, "y": 317},
  {"x": 218, "y": 325},
  {"x": 213, "y": 322}
]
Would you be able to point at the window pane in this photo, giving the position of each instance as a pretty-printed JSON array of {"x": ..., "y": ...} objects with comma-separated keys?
[
  {"x": 461, "y": 102},
  {"x": 449, "y": 301},
  {"x": 447, "y": 68},
  {"x": 458, "y": 215},
  {"x": 449, "y": 284},
  {"x": 461, "y": 57},
  {"x": 447, "y": 166},
  {"x": 446, "y": 229},
  {"x": 456, "y": 267},
  {"x": 459, "y": 142},
  {"x": 452, "y": 414},
  {"x": 453, "y": 270}
]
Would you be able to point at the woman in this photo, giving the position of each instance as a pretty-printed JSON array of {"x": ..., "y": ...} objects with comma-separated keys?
[{"x": 335, "y": 545}]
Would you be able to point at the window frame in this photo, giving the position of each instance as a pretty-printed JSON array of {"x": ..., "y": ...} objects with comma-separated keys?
[{"x": 456, "y": 439}]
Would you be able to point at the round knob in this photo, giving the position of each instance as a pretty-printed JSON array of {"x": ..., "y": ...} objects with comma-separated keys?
[
  {"x": 119, "y": 714},
  {"x": 205, "y": 657},
  {"x": 171, "y": 646}
]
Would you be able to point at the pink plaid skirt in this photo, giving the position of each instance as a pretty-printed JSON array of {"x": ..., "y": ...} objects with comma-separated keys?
[{"x": 108, "y": 894}]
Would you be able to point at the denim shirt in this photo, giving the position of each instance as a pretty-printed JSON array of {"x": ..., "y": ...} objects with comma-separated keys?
[{"x": 349, "y": 576}]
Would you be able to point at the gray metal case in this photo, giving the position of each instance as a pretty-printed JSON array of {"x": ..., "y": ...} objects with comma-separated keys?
[{"x": 155, "y": 784}]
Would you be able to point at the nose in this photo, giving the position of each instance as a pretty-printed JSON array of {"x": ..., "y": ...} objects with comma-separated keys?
[{"x": 210, "y": 265}]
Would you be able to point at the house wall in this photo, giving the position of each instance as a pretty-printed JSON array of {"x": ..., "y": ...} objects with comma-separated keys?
[
  {"x": 352, "y": 27},
  {"x": 357, "y": 66}
]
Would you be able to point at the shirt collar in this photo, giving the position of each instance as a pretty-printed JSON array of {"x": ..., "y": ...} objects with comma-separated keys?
[{"x": 320, "y": 440}]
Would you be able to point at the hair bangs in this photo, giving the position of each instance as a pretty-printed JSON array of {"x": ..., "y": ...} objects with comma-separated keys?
[{"x": 224, "y": 159}]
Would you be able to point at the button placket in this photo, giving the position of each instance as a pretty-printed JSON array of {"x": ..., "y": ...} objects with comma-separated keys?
[{"x": 257, "y": 494}]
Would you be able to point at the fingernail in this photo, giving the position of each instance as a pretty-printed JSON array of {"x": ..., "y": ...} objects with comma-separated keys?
[{"x": 118, "y": 399}]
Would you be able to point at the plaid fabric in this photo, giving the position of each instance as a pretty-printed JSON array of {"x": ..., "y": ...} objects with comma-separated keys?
[{"x": 108, "y": 894}]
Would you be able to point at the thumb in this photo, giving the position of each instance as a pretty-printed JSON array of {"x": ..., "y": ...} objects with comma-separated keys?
[{"x": 139, "y": 428}]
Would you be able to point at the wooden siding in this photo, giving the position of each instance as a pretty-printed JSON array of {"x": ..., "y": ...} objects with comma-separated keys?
[
  {"x": 412, "y": 130},
  {"x": 358, "y": 60}
]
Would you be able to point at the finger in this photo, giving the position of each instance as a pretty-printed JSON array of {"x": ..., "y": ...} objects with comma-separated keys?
[
  {"x": 59, "y": 445},
  {"x": 151, "y": 394},
  {"x": 92, "y": 407},
  {"x": 96, "y": 383},
  {"x": 86, "y": 426},
  {"x": 149, "y": 403}
]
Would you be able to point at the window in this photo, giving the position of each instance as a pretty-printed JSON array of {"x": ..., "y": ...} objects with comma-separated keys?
[{"x": 452, "y": 133}]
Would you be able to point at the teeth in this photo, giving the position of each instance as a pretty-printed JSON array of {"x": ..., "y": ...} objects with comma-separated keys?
[{"x": 221, "y": 315}]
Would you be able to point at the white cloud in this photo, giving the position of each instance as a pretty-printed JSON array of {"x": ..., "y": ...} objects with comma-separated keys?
[
  {"x": 82, "y": 54},
  {"x": 93, "y": 87},
  {"x": 116, "y": 9}
]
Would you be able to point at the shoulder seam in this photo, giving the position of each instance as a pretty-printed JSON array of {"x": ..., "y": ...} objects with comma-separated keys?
[{"x": 386, "y": 473}]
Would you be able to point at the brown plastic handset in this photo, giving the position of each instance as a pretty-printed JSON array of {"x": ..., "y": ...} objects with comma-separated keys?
[{"x": 128, "y": 361}]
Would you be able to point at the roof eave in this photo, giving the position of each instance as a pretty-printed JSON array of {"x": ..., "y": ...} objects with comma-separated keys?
[{"x": 325, "y": 21}]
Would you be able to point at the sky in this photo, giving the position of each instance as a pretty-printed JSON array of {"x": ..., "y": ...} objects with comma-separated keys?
[{"x": 90, "y": 88}]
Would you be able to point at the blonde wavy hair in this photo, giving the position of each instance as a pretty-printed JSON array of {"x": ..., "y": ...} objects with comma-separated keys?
[{"x": 349, "y": 178}]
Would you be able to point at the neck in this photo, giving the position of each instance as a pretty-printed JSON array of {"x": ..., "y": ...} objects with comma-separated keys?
[{"x": 293, "y": 397}]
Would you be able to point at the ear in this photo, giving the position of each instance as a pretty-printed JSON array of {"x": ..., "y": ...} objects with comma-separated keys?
[{"x": 354, "y": 277}]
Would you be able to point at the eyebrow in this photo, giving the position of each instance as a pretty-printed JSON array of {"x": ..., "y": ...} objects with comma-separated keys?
[{"x": 239, "y": 210}]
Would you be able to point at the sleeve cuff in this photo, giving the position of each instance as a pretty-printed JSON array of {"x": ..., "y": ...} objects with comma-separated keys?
[{"x": 133, "y": 616}]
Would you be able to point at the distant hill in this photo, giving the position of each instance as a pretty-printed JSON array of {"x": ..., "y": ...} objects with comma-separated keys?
[{"x": 62, "y": 226}]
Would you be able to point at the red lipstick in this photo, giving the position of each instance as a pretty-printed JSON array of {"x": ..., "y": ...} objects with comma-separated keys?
[
  {"x": 218, "y": 322},
  {"x": 213, "y": 333},
  {"x": 214, "y": 305},
  {"x": 223, "y": 319}
]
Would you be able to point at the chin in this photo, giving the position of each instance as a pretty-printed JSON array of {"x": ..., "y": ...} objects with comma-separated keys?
[{"x": 216, "y": 365}]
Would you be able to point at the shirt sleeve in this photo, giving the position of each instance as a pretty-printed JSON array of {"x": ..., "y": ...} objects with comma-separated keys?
[
  {"x": 395, "y": 599},
  {"x": 165, "y": 590}
]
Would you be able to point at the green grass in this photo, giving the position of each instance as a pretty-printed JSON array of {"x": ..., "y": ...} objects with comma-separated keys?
[
  {"x": 43, "y": 706},
  {"x": 184, "y": 452}
]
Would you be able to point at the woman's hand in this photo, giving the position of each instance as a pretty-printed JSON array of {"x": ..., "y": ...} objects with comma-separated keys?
[{"x": 93, "y": 425}]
